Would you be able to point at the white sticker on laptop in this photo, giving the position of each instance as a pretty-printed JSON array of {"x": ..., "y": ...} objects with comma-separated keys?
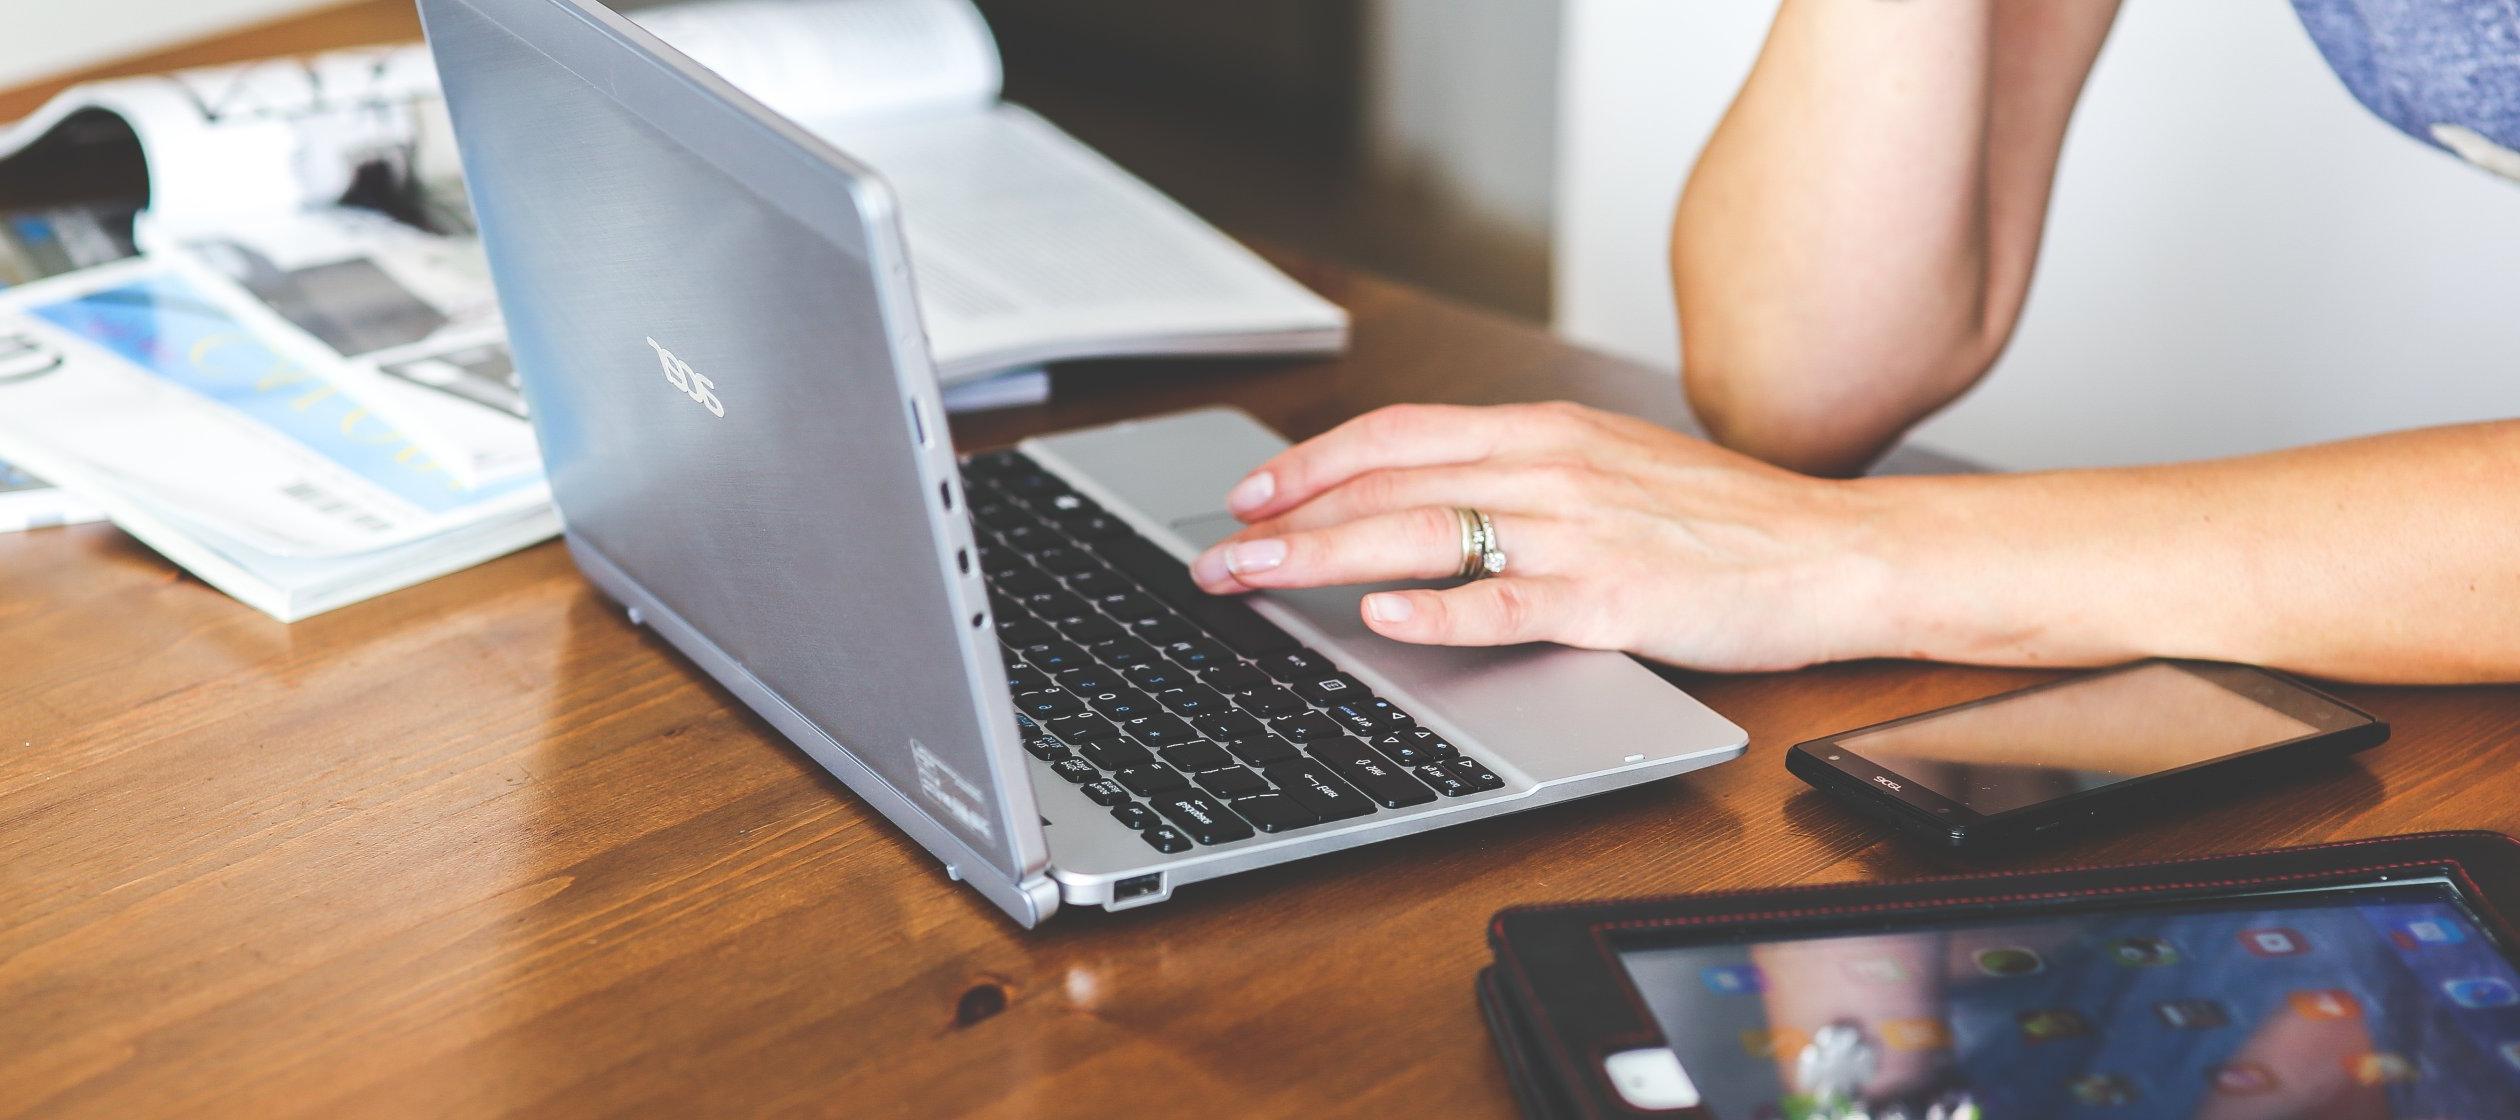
[{"x": 942, "y": 785}]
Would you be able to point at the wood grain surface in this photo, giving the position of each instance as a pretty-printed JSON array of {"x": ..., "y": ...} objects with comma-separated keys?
[{"x": 482, "y": 848}]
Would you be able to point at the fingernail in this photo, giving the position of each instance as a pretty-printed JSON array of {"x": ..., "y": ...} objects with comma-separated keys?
[
  {"x": 1254, "y": 556},
  {"x": 1211, "y": 567},
  {"x": 1251, "y": 493},
  {"x": 1389, "y": 608}
]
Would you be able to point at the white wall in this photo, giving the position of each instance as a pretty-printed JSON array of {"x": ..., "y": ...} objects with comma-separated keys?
[
  {"x": 40, "y": 38},
  {"x": 2239, "y": 257}
]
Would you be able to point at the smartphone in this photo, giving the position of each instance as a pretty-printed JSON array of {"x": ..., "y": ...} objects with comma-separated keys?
[{"x": 2083, "y": 750}]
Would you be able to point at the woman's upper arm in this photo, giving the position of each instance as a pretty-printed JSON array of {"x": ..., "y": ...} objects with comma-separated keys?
[{"x": 1856, "y": 242}]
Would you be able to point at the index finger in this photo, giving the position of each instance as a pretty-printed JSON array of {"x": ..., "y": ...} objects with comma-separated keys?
[{"x": 1404, "y": 435}]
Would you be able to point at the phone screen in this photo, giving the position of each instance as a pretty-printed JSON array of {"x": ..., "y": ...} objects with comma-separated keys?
[
  {"x": 2097, "y": 731},
  {"x": 2357, "y": 1003}
]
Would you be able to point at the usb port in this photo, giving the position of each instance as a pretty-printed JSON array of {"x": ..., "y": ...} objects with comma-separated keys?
[{"x": 1137, "y": 886}]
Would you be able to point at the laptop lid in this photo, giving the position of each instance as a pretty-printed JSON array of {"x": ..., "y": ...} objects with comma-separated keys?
[{"x": 712, "y": 317}]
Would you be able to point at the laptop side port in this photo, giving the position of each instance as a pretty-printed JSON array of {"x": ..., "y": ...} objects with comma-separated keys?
[{"x": 1137, "y": 890}]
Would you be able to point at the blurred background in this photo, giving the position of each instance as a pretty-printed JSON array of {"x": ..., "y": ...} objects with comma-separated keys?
[{"x": 2239, "y": 257}]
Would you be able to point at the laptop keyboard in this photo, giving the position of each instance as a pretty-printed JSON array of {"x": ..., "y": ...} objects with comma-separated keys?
[{"x": 1188, "y": 715}]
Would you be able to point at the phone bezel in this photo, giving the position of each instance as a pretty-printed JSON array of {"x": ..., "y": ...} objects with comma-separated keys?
[{"x": 2339, "y": 728}]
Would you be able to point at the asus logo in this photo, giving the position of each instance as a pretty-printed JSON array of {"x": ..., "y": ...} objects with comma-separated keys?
[
  {"x": 1887, "y": 782},
  {"x": 701, "y": 390}
]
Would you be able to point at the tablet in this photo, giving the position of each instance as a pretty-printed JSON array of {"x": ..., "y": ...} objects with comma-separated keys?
[{"x": 2372, "y": 979}]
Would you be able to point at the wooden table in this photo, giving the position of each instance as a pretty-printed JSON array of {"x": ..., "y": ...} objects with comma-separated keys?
[{"x": 481, "y": 847}]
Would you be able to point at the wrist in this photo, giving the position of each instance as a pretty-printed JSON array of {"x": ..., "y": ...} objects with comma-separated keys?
[{"x": 1950, "y": 575}]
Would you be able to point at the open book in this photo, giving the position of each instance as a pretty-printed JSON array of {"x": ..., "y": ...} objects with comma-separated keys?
[{"x": 1026, "y": 246}]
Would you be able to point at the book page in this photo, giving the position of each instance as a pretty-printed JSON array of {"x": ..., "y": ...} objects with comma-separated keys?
[
  {"x": 839, "y": 59},
  {"x": 1028, "y": 246}
]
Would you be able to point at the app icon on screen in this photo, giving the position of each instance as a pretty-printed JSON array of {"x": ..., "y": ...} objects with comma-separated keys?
[
  {"x": 2191, "y": 1014},
  {"x": 2243, "y": 1079},
  {"x": 1913, "y": 1035},
  {"x": 1876, "y": 970},
  {"x": 2379, "y": 1069},
  {"x": 2053, "y": 1023},
  {"x": 2481, "y": 993},
  {"x": 2143, "y": 952},
  {"x": 2425, "y": 932},
  {"x": 2273, "y": 942},
  {"x": 1781, "y": 1043},
  {"x": 1733, "y": 980},
  {"x": 2325, "y": 1003},
  {"x": 2104, "y": 1089},
  {"x": 2010, "y": 961}
]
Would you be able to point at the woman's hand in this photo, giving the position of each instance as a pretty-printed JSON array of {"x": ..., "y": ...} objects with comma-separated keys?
[{"x": 1619, "y": 534}]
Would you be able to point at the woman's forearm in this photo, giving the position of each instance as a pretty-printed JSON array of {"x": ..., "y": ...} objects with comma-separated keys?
[
  {"x": 2393, "y": 558},
  {"x": 1855, "y": 242}
]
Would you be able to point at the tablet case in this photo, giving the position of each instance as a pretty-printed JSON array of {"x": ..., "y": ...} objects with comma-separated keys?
[{"x": 1557, "y": 1000}]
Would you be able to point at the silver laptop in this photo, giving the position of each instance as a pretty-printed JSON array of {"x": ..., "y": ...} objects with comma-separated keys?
[{"x": 712, "y": 314}]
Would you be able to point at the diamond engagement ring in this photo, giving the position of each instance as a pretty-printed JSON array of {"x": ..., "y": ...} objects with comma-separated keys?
[{"x": 1482, "y": 555}]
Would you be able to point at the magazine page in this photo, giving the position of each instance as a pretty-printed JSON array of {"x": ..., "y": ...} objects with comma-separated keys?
[
  {"x": 403, "y": 319},
  {"x": 840, "y": 59},
  {"x": 29, "y": 502},
  {"x": 129, "y": 382}
]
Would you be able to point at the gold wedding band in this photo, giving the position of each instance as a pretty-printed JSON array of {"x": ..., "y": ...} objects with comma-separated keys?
[{"x": 1481, "y": 554}]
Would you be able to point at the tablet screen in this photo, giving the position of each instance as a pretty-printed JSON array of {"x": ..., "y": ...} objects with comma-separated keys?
[
  {"x": 2341, "y": 1004},
  {"x": 2095, "y": 731}
]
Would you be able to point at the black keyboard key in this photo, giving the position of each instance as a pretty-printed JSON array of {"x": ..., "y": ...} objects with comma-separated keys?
[
  {"x": 1356, "y": 718},
  {"x": 1170, "y": 628},
  {"x": 1150, "y": 779},
  {"x": 1115, "y": 754},
  {"x": 1020, "y": 579},
  {"x": 1057, "y": 657},
  {"x": 1295, "y": 665},
  {"x": 1088, "y": 526},
  {"x": 1224, "y": 726},
  {"x": 1077, "y": 770},
  {"x": 1270, "y": 702},
  {"x": 1029, "y": 538},
  {"x": 1048, "y": 750},
  {"x": 1089, "y": 680},
  {"x": 1125, "y": 653},
  {"x": 1027, "y": 680},
  {"x": 1100, "y": 582},
  {"x": 1192, "y": 702},
  {"x": 1231, "y": 782},
  {"x": 1026, "y": 633},
  {"x": 1046, "y": 706},
  {"x": 1196, "y": 654},
  {"x": 1306, "y": 727},
  {"x": 1075, "y": 730},
  {"x": 1158, "y": 731},
  {"x": 1055, "y": 606},
  {"x": 1091, "y": 630},
  {"x": 1063, "y": 505},
  {"x": 1130, "y": 603},
  {"x": 1166, "y": 838},
  {"x": 1123, "y": 704},
  {"x": 1414, "y": 747},
  {"x": 1135, "y": 816},
  {"x": 1024, "y": 724},
  {"x": 1337, "y": 688},
  {"x": 1475, "y": 774},
  {"x": 1312, "y": 786},
  {"x": 1105, "y": 792},
  {"x": 1446, "y": 782},
  {"x": 1389, "y": 714},
  {"x": 1160, "y": 676},
  {"x": 1197, "y": 755},
  {"x": 1030, "y": 483},
  {"x": 1273, "y": 812},
  {"x": 995, "y": 464},
  {"x": 1389, "y": 786},
  {"x": 1199, "y": 815},
  {"x": 1065, "y": 561},
  {"x": 1231, "y": 620},
  {"x": 1261, "y": 750},
  {"x": 1234, "y": 679}
]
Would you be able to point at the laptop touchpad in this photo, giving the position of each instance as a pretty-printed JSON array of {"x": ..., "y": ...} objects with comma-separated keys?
[{"x": 1200, "y": 532}]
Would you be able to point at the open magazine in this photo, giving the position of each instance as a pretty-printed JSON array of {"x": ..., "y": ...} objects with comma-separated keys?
[{"x": 244, "y": 313}]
